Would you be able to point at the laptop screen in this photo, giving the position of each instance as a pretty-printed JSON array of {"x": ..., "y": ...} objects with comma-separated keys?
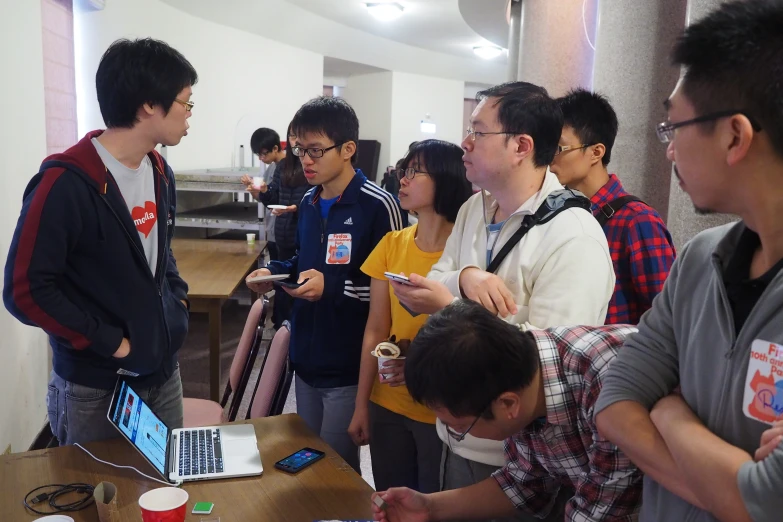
[{"x": 142, "y": 427}]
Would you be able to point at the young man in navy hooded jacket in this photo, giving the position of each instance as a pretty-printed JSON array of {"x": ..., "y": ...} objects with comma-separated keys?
[
  {"x": 341, "y": 219},
  {"x": 90, "y": 262}
]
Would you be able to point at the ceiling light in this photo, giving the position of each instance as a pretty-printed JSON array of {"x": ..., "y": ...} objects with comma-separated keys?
[
  {"x": 384, "y": 11},
  {"x": 488, "y": 51}
]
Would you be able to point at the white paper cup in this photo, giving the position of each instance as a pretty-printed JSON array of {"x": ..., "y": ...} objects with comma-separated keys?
[
  {"x": 251, "y": 238},
  {"x": 164, "y": 504},
  {"x": 382, "y": 360},
  {"x": 257, "y": 180}
]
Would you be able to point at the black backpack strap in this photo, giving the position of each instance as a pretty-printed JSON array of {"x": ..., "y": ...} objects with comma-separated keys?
[
  {"x": 607, "y": 211},
  {"x": 555, "y": 203}
]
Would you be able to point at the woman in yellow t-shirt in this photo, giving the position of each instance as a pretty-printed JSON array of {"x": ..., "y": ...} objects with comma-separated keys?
[{"x": 404, "y": 445}]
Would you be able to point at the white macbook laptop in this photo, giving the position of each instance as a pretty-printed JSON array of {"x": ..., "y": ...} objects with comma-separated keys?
[{"x": 211, "y": 452}]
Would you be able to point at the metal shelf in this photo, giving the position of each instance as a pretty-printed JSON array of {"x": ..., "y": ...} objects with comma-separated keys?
[
  {"x": 232, "y": 216},
  {"x": 206, "y": 186}
]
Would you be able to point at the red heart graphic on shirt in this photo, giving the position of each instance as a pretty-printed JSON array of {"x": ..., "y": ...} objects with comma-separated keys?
[{"x": 145, "y": 218}]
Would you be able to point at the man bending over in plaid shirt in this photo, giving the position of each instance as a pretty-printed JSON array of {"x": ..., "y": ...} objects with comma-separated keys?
[{"x": 536, "y": 390}]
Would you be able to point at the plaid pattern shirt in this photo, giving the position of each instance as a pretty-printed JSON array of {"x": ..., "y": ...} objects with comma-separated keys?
[
  {"x": 565, "y": 448},
  {"x": 642, "y": 254}
]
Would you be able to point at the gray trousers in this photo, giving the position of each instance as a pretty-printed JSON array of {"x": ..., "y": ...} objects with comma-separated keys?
[
  {"x": 78, "y": 413},
  {"x": 457, "y": 472},
  {"x": 405, "y": 452},
  {"x": 328, "y": 412}
]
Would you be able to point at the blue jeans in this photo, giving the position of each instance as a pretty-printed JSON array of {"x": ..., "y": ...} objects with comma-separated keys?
[
  {"x": 328, "y": 412},
  {"x": 78, "y": 413}
]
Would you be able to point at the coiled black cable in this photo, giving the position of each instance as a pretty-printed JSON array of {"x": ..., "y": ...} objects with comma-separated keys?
[{"x": 58, "y": 491}]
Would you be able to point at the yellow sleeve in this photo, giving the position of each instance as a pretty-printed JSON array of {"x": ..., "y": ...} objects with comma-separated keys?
[{"x": 376, "y": 263}]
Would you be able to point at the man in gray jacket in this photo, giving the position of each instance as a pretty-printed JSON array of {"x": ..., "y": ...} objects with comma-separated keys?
[{"x": 716, "y": 330}]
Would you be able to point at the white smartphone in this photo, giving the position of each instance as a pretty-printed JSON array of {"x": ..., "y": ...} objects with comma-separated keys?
[
  {"x": 398, "y": 278},
  {"x": 268, "y": 278}
]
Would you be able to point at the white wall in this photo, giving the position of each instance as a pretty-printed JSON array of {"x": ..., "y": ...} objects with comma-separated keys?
[
  {"x": 24, "y": 352},
  {"x": 370, "y": 95},
  {"x": 246, "y": 81},
  {"x": 391, "y": 106},
  {"x": 413, "y": 97}
]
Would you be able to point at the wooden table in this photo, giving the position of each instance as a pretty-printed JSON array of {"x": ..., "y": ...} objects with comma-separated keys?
[
  {"x": 328, "y": 489},
  {"x": 214, "y": 269}
]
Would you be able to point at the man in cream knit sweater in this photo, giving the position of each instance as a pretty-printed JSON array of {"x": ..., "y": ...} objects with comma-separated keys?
[{"x": 560, "y": 272}]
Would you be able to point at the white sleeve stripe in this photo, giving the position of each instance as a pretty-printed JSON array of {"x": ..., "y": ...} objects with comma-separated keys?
[
  {"x": 390, "y": 198},
  {"x": 392, "y": 221},
  {"x": 395, "y": 217}
]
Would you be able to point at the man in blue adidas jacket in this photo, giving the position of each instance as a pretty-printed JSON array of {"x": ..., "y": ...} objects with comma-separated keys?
[
  {"x": 341, "y": 219},
  {"x": 90, "y": 262}
]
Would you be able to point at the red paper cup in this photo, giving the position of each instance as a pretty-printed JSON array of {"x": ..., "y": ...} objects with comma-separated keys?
[{"x": 164, "y": 505}]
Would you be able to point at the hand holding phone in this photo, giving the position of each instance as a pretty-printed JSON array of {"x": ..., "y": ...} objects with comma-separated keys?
[
  {"x": 399, "y": 278},
  {"x": 288, "y": 284},
  {"x": 299, "y": 460}
]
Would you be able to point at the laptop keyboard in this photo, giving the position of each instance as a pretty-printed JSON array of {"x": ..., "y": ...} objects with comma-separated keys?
[{"x": 200, "y": 452}]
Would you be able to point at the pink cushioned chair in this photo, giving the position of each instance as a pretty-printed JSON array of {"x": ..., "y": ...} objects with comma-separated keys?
[
  {"x": 274, "y": 381},
  {"x": 201, "y": 412}
]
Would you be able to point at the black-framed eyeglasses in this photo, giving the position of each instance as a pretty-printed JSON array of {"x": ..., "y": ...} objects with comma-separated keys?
[
  {"x": 665, "y": 130},
  {"x": 299, "y": 152},
  {"x": 459, "y": 437},
  {"x": 473, "y": 134},
  {"x": 567, "y": 148},
  {"x": 410, "y": 173},
  {"x": 187, "y": 104}
]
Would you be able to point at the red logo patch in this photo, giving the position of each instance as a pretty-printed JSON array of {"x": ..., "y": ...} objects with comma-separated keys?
[{"x": 145, "y": 218}]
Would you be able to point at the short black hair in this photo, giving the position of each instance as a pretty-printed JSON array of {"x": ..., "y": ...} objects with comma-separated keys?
[
  {"x": 592, "y": 118},
  {"x": 134, "y": 72},
  {"x": 333, "y": 117},
  {"x": 464, "y": 357},
  {"x": 264, "y": 140},
  {"x": 443, "y": 161},
  {"x": 733, "y": 60},
  {"x": 524, "y": 108}
]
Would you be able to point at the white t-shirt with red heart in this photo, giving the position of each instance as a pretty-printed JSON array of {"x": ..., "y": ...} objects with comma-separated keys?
[{"x": 138, "y": 189}]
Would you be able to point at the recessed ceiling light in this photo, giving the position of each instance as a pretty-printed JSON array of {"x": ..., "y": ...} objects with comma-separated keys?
[
  {"x": 488, "y": 51},
  {"x": 385, "y": 12}
]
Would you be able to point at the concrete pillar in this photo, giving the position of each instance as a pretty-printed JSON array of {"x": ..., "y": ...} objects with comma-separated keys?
[
  {"x": 514, "y": 28},
  {"x": 555, "y": 51},
  {"x": 683, "y": 222},
  {"x": 632, "y": 68}
]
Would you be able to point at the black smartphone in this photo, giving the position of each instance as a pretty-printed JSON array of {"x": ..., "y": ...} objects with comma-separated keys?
[
  {"x": 289, "y": 284},
  {"x": 299, "y": 460}
]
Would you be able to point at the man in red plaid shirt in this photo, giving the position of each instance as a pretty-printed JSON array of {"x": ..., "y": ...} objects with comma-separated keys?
[
  {"x": 536, "y": 390},
  {"x": 641, "y": 246}
]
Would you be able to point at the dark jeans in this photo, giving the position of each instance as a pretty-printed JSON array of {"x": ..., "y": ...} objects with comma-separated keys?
[
  {"x": 283, "y": 302},
  {"x": 78, "y": 413},
  {"x": 405, "y": 452}
]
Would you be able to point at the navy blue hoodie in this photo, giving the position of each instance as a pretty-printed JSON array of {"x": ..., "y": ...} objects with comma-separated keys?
[
  {"x": 76, "y": 269},
  {"x": 326, "y": 335}
]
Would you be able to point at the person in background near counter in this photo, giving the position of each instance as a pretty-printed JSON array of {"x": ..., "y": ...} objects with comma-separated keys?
[
  {"x": 641, "y": 246},
  {"x": 287, "y": 188},
  {"x": 90, "y": 262},
  {"x": 265, "y": 143},
  {"x": 690, "y": 398},
  {"x": 341, "y": 220}
]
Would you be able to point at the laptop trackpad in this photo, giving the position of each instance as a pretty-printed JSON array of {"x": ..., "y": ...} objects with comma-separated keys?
[{"x": 240, "y": 448}]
